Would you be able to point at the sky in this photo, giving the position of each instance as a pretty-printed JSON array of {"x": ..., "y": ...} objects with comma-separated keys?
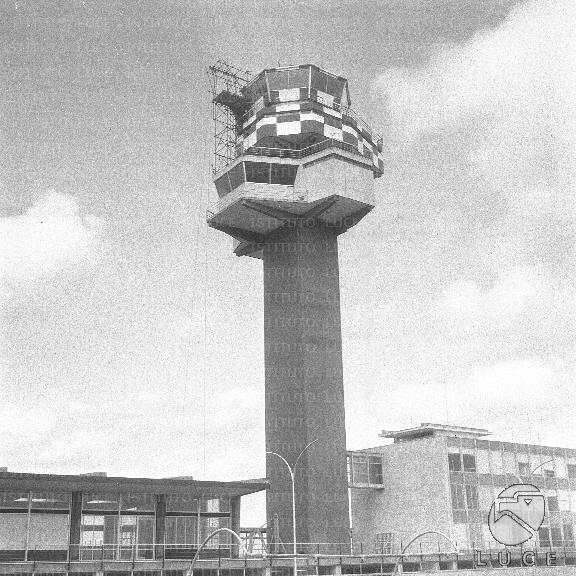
[{"x": 131, "y": 338}]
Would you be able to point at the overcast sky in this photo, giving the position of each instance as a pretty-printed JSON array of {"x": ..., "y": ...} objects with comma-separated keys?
[{"x": 131, "y": 337}]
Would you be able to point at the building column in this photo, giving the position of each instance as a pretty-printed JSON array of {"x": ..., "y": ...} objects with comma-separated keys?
[
  {"x": 75, "y": 526},
  {"x": 160, "y": 526}
]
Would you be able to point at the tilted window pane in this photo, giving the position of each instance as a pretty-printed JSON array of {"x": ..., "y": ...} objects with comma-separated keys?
[
  {"x": 298, "y": 78},
  {"x": 283, "y": 174},
  {"x": 236, "y": 175},
  {"x": 53, "y": 500},
  {"x": 14, "y": 499},
  {"x": 13, "y": 528},
  {"x": 100, "y": 501},
  {"x": 258, "y": 172},
  {"x": 138, "y": 502},
  {"x": 181, "y": 503},
  {"x": 278, "y": 79}
]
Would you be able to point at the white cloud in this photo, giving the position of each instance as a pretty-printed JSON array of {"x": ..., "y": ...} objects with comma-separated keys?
[
  {"x": 49, "y": 236},
  {"x": 464, "y": 305},
  {"x": 508, "y": 97}
]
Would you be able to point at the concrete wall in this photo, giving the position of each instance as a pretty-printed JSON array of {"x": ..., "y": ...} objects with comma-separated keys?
[{"x": 415, "y": 497}]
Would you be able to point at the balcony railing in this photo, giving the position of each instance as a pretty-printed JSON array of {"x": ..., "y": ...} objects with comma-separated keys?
[{"x": 299, "y": 154}]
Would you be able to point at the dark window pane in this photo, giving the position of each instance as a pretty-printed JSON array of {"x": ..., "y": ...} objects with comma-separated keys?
[
  {"x": 258, "y": 172},
  {"x": 472, "y": 497},
  {"x": 556, "y": 533},
  {"x": 469, "y": 462},
  {"x": 256, "y": 89},
  {"x": 552, "y": 502},
  {"x": 100, "y": 501},
  {"x": 222, "y": 185},
  {"x": 571, "y": 470},
  {"x": 568, "y": 535},
  {"x": 181, "y": 503},
  {"x": 278, "y": 79},
  {"x": 236, "y": 175},
  {"x": 524, "y": 468},
  {"x": 375, "y": 470},
  {"x": 14, "y": 499},
  {"x": 138, "y": 502},
  {"x": 283, "y": 174},
  {"x": 454, "y": 462},
  {"x": 544, "y": 536},
  {"x": 53, "y": 500},
  {"x": 298, "y": 78},
  {"x": 549, "y": 473},
  {"x": 319, "y": 80}
]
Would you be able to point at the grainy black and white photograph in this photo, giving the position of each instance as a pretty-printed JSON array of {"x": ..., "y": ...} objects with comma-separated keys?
[{"x": 287, "y": 287}]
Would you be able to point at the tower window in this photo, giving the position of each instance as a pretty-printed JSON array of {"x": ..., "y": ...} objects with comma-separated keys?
[{"x": 454, "y": 462}]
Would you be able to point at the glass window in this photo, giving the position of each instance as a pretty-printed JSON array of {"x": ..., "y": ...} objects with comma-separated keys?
[
  {"x": 48, "y": 531},
  {"x": 469, "y": 462},
  {"x": 236, "y": 175},
  {"x": 571, "y": 469},
  {"x": 472, "y": 497},
  {"x": 454, "y": 462},
  {"x": 375, "y": 469},
  {"x": 568, "y": 535},
  {"x": 457, "y": 491},
  {"x": 14, "y": 499},
  {"x": 360, "y": 469},
  {"x": 552, "y": 503},
  {"x": 298, "y": 78},
  {"x": 146, "y": 537},
  {"x": 556, "y": 533},
  {"x": 383, "y": 543},
  {"x": 210, "y": 505},
  {"x": 209, "y": 525},
  {"x": 138, "y": 502},
  {"x": 181, "y": 503},
  {"x": 549, "y": 473},
  {"x": 524, "y": 468},
  {"x": 319, "y": 80},
  {"x": 544, "y": 536},
  {"x": 181, "y": 530},
  {"x": 278, "y": 79},
  {"x": 100, "y": 501},
  {"x": 258, "y": 172},
  {"x": 53, "y": 500},
  {"x": 256, "y": 89},
  {"x": 283, "y": 174},
  {"x": 13, "y": 528},
  {"x": 97, "y": 530},
  {"x": 222, "y": 185}
]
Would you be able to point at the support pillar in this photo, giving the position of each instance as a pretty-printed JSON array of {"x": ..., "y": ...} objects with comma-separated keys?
[{"x": 304, "y": 383}]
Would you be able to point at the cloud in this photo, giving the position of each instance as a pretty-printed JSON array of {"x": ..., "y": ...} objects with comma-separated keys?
[
  {"x": 50, "y": 236},
  {"x": 507, "y": 98}
]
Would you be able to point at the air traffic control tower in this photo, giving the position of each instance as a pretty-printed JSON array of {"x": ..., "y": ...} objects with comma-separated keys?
[{"x": 294, "y": 169}]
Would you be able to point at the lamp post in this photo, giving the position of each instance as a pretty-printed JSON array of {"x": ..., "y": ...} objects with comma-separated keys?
[{"x": 292, "y": 469}]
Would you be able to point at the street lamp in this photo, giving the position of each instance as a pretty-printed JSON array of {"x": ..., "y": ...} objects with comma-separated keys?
[{"x": 292, "y": 469}]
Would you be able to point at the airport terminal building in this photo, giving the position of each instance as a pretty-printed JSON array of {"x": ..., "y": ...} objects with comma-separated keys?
[
  {"x": 57, "y": 518},
  {"x": 445, "y": 478}
]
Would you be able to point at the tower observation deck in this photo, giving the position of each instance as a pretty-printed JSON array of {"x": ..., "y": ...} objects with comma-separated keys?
[{"x": 295, "y": 168}]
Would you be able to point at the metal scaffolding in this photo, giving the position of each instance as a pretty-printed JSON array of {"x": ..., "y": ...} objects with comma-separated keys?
[{"x": 228, "y": 105}]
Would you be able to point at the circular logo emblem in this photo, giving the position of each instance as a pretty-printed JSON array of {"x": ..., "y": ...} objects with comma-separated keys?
[{"x": 516, "y": 514}]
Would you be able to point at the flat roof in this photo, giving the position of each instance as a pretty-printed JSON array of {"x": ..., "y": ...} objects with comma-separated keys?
[
  {"x": 89, "y": 483},
  {"x": 427, "y": 429}
]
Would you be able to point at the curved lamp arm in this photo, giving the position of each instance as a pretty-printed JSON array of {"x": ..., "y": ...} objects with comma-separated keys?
[{"x": 190, "y": 570}]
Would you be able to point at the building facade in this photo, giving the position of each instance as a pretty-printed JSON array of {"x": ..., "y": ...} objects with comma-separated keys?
[
  {"x": 445, "y": 479},
  {"x": 58, "y": 518}
]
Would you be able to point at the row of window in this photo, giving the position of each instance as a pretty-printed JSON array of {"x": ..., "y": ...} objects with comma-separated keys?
[
  {"x": 125, "y": 502},
  {"x": 126, "y": 531},
  {"x": 257, "y": 172},
  {"x": 486, "y": 462}
]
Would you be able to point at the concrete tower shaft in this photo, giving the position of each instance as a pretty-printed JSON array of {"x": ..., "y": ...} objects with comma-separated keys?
[{"x": 304, "y": 383}]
